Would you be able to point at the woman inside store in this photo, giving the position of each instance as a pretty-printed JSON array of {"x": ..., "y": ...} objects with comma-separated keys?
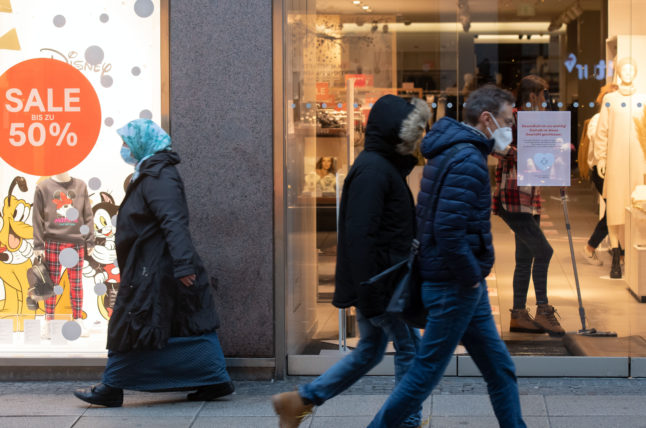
[
  {"x": 326, "y": 172},
  {"x": 520, "y": 208},
  {"x": 162, "y": 334}
]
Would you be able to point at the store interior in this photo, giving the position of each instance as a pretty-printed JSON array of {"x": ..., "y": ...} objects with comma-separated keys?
[{"x": 440, "y": 52}]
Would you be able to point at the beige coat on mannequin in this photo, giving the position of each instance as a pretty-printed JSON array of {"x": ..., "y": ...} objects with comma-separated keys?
[{"x": 616, "y": 142}]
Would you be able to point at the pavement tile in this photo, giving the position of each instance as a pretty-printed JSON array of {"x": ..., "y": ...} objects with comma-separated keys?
[
  {"x": 341, "y": 421},
  {"x": 480, "y": 405},
  {"x": 238, "y": 422},
  {"x": 41, "y": 405},
  {"x": 149, "y": 405},
  {"x": 483, "y": 422},
  {"x": 133, "y": 421},
  {"x": 352, "y": 405},
  {"x": 239, "y": 405},
  {"x": 593, "y": 405},
  {"x": 37, "y": 421},
  {"x": 598, "y": 422}
]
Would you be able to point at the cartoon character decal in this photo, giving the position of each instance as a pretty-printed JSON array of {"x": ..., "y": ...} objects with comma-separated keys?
[
  {"x": 63, "y": 203},
  {"x": 15, "y": 255},
  {"x": 102, "y": 264}
]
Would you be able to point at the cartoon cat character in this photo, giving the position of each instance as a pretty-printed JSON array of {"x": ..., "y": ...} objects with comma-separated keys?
[
  {"x": 102, "y": 264},
  {"x": 16, "y": 251}
]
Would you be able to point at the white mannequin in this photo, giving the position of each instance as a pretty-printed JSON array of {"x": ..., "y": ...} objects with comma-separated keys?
[
  {"x": 62, "y": 178},
  {"x": 617, "y": 147}
]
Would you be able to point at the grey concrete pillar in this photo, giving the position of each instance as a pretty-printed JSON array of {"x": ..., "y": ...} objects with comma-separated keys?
[{"x": 221, "y": 125}]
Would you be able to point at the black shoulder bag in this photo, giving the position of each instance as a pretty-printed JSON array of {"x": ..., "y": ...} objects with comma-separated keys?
[{"x": 406, "y": 300}]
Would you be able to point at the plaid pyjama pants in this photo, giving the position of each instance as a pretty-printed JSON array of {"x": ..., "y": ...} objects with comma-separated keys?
[{"x": 53, "y": 263}]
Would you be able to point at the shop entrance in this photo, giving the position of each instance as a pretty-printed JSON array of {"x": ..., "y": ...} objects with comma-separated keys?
[{"x": 342, "y": 55}]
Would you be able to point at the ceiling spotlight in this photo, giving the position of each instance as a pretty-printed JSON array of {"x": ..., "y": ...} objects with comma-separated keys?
[
  {"x": 365, "y": 7},
  {"x": 520, "y": 37},
  {"x": 374, "y": 28},
  {"x": 529, "y": 37},
  {"x": 385, "y": 28},
  {"x": 407, "y": 22},
  {"x": 357, "y": 2}
]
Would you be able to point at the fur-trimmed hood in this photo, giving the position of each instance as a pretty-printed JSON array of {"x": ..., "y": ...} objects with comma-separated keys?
[{"x": 396, "y": 126}]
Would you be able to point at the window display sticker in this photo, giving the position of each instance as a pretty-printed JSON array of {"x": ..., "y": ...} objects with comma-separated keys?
[
  {"x": 32, "y": 332},
  {"x": 51, "y": 116},
  {"x": 57, "y": 332},
  {"x": 544, "y": 148},
  {"x": 6, "y": 331}
]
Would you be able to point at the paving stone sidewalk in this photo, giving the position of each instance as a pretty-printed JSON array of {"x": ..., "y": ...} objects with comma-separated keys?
[{"x": 457, "y": 402}]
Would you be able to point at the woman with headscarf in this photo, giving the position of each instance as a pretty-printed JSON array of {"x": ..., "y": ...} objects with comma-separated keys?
[{"x": 162, "y": 334}]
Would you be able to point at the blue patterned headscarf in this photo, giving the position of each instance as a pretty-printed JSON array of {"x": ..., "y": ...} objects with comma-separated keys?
[{"x": 145, "y": 138}]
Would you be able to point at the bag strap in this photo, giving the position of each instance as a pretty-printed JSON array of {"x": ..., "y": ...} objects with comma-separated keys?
[{"x": 443, "y": 170}]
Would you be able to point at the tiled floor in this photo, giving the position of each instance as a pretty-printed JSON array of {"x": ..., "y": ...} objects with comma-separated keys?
[{"x": 608, "y": 304}]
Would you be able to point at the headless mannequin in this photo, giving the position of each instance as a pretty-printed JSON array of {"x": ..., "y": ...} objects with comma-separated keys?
[{"x": 59, "y": 178}]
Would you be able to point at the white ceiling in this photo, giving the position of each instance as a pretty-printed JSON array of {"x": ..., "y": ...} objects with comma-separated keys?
[{"x": 433, "y": 10}]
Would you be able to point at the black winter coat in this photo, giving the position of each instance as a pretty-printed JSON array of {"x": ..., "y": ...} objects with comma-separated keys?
[
  {"x": 377, "y": 211},
  {"x": 462, "y": 251},
  {"x": 154, "y": 250}
]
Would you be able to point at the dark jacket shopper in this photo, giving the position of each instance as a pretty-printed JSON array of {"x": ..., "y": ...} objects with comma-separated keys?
[
  {"x": 455, "y": 257},
  {"x": 162, "y": 333},
  {"x": 376, "y": 227},
  {"x": 520, "y": 208}
]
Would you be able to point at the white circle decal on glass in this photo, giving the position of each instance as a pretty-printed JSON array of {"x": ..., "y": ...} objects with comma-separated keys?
[
  {"x": 591, "y": 104},
  {"x": 449, "y": 105},
  {"x": 136, "y": 71},
  {"x": 84, "y": 230},
  {"x": 108, "y": 121},
  {"x": 94, "y": 183},
  {"x": 59, "y": 21},
  {"x": 71, "y": 330},
  {"x": 575, "y": 105},
  {"x": 144, "y": 8},
  {"x": 58, "y": 290},
  {"x": 544, "y": 105},
  {"x": 104, "y": 18},
  {"x": 94, "y": 55},
  {"x": 69, "y": 257},
  {"x": 72, "y": 214},
  {"x": 100, "y": 289},
  {"x": 528, "y": 105},
  {"x": 146, "y": 114},
  {"x": 560, "y": 104},
  {"x": 106, "y": 81}
]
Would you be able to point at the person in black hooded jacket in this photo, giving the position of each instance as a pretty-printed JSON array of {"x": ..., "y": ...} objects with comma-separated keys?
[
  {"x": 376, "y": 227},
  {"x": 162, "y": 333}
]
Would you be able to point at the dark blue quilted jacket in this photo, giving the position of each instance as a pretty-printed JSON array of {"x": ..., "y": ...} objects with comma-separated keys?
[{"x": 456, "y": 242}]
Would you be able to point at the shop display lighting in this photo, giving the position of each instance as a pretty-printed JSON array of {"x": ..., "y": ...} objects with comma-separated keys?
[{"x": 569, "y": 15}]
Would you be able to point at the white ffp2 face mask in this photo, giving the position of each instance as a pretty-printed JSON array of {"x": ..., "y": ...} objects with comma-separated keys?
[{"x": 502, "y": 136}]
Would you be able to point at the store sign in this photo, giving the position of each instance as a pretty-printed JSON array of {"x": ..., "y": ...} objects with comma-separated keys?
[
  {"x": 361, "y": 80},
  {"x": 52, "y": 117},
  {"x": 585, "y": 71},
  {"x": 544, "y": 148}
]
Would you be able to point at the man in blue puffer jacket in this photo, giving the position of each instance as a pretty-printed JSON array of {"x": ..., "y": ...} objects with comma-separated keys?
[{"x": 455, "y": 257}]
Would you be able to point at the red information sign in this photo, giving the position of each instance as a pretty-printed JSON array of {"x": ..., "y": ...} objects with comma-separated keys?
[{"x": 51, "y": 117}]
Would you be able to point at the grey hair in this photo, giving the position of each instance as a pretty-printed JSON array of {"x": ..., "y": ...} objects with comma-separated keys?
[
  {"x": 488, "y": 98},
  {"x": 413, "y": 127}
]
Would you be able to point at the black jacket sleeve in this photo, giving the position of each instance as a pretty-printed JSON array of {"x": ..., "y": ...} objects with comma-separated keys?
[{"x": 165, "y": 197}]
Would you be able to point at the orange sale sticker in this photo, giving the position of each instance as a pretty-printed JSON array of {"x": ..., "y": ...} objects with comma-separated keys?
[{"x": 51, "y": 117}]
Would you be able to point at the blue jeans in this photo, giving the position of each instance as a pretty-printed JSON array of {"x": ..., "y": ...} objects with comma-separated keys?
[
  {"x": 456, "y": 313},
  {"x": 375, "y": 334}
]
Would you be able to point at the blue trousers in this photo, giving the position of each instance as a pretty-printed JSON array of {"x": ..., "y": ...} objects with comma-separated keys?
[
  {"x": 375, "y": 334},
  {"x": 456, "y": 313}
]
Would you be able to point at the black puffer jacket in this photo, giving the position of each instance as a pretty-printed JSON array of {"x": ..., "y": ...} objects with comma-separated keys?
[
  {"x": 377, "y": 212},
  {"x": 154, "y": 250}
]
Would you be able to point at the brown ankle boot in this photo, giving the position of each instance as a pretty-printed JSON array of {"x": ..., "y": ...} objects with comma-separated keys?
[
  {"x": 546, "y": 318},
  {"x": 291, "y": 409},
  {"x": 522, "y": 322}
]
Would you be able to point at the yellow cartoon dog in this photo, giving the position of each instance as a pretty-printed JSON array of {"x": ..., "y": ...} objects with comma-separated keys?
[{"x": 15, "y": 255}]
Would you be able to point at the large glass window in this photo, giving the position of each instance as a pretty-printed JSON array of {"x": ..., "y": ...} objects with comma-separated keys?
[
  {"x": 71, "y": 74},
  {"x": 343, "y": 55}
]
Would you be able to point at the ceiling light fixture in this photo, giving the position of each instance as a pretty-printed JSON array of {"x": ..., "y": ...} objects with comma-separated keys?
[
  {"x": 365, "y": 7},
  {"x": 357, "y": 2}
]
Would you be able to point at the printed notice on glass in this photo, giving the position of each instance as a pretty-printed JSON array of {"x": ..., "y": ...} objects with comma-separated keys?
[{"x": 544, "y": 148}]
